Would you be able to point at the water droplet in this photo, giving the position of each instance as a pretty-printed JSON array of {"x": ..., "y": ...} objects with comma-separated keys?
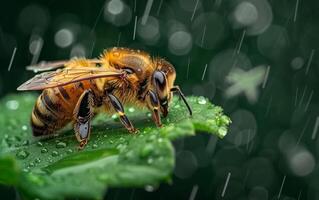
[
  {"x": 94, "y": 146},
  {"x": 201, "y": 100},
  {"x": 12, "y": 104},
  {"x": 22, "y": 154},
  {"x": 37, "y": 160},
  {"x": 24, "y": 127},
  {"x": 55, "y": 153},
  {"x": 149, "y": 188},
  {"x": 131, "y": 109},
  {"x": 149, "y": 114},
  {"x": 44, "y": 150},
  {"x": 25, "y": 142},
  {"x": 39, "y": 144},
  {"x": 147, "y": 150},
  {"x": 69, "y": 151},
  {"x": 31, "y": 164},
  {"x": 111, "y": 141},
  {"x": 114, "y": 117},
  {"x": 222, "y": 131},
  {"x": 60, "y": 145},
  {"x": 150, "y": 160},
  {"x": 25, "y": 170}
]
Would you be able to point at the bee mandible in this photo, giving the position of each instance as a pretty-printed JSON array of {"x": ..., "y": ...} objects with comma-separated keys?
[{"x": 79, "y": 88}]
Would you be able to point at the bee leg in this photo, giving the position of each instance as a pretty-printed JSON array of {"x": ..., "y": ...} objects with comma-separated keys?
[
  {"x": 181, "y": 95},
  {"x": 154, "y": 105},
  {"x": 82, "y": 114},
  {"x": 117, "y": 105}
]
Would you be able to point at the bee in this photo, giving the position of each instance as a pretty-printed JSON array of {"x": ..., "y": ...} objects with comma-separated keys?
[{"x": 79, "y": 88}]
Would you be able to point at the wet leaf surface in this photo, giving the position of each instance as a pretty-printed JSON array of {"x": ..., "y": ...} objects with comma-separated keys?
[{"x": 53, "y": 168}]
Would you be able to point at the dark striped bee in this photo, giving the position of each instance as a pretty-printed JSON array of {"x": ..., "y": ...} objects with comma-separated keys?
[{"x": 82, "y": 87}]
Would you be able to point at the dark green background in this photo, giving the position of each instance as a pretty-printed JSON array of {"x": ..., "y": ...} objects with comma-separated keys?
[{"x": 279, "y": 121}]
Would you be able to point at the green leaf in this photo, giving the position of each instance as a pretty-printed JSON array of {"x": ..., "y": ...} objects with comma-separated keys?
[{"x": 53, "y": 168}]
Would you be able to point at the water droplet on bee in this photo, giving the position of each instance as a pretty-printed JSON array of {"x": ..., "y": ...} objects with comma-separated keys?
[
  {"x": 60, "y": 145},
  {"x": 131, "y": 109},
  {"x": 54, "y": 153},
  {"x": 201, "y": 100},
  {"x": 22, "y": 154},
  {"x": 44, "y": 150}
]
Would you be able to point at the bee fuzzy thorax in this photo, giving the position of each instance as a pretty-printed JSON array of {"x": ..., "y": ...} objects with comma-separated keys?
[{"x": 82, "y": 87}]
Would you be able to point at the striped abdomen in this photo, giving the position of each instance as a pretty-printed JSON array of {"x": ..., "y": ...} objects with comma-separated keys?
[{"x": 54, "y": 108}]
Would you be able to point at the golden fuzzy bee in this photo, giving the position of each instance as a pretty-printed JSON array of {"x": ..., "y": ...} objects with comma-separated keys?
[{"x": 83, "y": 87}]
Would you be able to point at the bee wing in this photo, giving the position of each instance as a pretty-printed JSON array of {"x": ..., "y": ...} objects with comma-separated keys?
[
  {"x": 50, "y": 65},
  {"x": 66, "y": 76}
]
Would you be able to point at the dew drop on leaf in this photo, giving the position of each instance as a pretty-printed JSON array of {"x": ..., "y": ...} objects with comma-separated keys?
[
  {"x": 12, "y": 104},
  {"x": 147, "y": 150},
  {"x": 44, "y": 150},
  {"x": 25, "y": 142},
  {"x": 131, "y": 109},
  {"x": 60, "y": 145},
  {"x": 22, "y": 154},
  {"x": 55, "y": 153},
  {"x": 39, "y": 144},
  {"x": 24, "y": 127},
  {"x": 31, "y": 164},
  {"x": 37, "y": 160},
  {"x": 201, "y": 100},
  {"x": 222, "y": 131}
]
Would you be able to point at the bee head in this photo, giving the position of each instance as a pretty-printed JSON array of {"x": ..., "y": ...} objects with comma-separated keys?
[{"x": 163, "y": 80}]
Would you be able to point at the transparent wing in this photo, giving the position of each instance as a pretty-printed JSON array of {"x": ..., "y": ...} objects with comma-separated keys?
[
  {"x": 51, "y": 65},
  {"x": 66, "y": 76}
]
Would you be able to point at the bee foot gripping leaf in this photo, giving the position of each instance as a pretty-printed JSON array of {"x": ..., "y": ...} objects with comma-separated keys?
[{"x": 55, "y": 169}]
